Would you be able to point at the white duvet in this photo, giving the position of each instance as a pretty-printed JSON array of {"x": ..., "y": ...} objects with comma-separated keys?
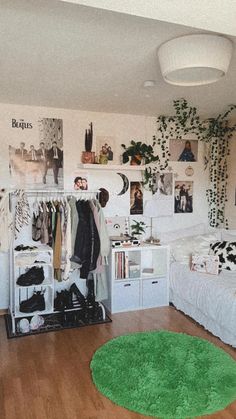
[{"x": 209, "y": 299}]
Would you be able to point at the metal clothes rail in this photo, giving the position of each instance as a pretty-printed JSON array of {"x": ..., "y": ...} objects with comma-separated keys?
[{"x": 54, "y": 193}]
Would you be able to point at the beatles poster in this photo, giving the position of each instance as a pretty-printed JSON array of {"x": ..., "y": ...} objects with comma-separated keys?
[{"x": 37, "y": 161}]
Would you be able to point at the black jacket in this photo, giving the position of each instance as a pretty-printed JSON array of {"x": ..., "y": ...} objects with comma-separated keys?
[{"x": 87, "y": 243}]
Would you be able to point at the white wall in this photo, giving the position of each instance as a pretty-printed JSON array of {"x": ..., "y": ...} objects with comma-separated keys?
[{"x": 124, "y": 128}]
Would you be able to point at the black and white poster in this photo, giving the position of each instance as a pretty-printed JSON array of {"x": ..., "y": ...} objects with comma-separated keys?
[{"x": 37, "y": 160}]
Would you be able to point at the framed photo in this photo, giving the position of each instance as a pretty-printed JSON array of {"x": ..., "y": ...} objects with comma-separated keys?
[
  {"x": 136, "y": 198},
  {"x": 38, "y": 163},
  {"x": 80, "y": 181},
  {"x": 163, "y": 184},
  {"x": 183, "y": 196},
  {"x": 105, "y": 148},
  {"x": 208, "y": 264},
  {"x": 183, "y": 150}
]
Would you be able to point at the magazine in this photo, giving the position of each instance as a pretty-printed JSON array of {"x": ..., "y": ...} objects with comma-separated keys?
[{"x": 208, "y": 264}]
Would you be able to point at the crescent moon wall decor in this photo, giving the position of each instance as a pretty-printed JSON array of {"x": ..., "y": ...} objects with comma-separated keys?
[{"x": 125, "y": 183}]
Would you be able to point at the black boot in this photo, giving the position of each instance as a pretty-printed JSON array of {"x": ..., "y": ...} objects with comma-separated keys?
[
  {"x": 67, "y": 296},
  {"x": 34, "y": 276},
  {"x": 59, "y": 302},
  {"x": 35, "y": 303},
  {"x": 90, "y": 300},
  {"x": 63, "y": 300}
]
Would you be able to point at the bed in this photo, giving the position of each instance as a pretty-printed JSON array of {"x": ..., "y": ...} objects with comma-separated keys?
[{"x": 208, "y": 299}]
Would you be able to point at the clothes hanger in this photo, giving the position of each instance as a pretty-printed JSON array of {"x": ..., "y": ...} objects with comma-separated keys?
[
  {"x": 45, "y": 204},
  {"x": 39, "y": 205}
]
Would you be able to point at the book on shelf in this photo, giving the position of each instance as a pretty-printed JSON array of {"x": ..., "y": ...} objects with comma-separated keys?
[
  {"x": 148, "y": 272},
  {"x": 120, "y": 265}
]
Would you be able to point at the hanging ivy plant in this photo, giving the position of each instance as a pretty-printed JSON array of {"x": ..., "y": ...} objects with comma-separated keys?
[{"x": 215, "y": 132}]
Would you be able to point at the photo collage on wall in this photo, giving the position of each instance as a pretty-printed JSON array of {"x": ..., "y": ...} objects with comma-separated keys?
[
  {"x": 176, "y": 197},
  {"x": 38, "y": 163}
]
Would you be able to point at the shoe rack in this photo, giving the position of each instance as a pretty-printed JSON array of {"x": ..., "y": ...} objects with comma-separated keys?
[{"x": 34, "y": 291}]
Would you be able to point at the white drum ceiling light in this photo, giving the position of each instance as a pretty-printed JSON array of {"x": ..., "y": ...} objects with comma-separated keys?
[{"x": 195, "y": 59}]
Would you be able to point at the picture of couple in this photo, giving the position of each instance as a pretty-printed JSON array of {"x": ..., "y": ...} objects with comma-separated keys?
[{"x": 80, "y": 183}]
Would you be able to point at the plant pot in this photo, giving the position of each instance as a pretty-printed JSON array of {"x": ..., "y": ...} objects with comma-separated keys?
[
  {"x": 88, "y": 157},
  {"x": 136, "y": 160}
]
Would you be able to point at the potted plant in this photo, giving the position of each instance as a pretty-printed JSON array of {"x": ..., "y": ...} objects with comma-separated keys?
[
  {"x": 138, "y": 228},
  {"x": 139, "y": 153},
  {"x": 88, "y": 156}
]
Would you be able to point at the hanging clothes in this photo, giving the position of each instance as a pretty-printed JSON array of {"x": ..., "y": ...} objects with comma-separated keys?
[
  {"x": 72, "y": 229},
  {"x": 57, "y": 247},
  {"x": 22, "y": 211},
  {"x": 67, "y": 242},
  {"x": 6, "y": 222},
  {"x": 100, "y": 278},
  {"x": 87, "y": 242}
]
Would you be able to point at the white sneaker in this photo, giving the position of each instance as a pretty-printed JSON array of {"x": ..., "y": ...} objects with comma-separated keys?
[
  {"x": 36, "y": 322},
  {"x": 23, "y": 326}
]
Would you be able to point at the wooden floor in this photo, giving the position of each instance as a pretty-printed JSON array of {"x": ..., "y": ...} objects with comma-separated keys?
[{"x": 48, "y": 377}]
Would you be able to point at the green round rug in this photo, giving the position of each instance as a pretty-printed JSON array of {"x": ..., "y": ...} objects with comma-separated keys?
[{"x": 165, "y": 374}]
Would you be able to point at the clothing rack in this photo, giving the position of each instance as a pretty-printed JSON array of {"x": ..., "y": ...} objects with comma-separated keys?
[
  {"x": 80, "y": 194},
  {"x": 27, "y": 198}
]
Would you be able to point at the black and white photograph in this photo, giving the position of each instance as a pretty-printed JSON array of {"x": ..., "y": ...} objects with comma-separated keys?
[
  {"x": 183, "y": 150},
  {"x": 163, "y": 184},
  {"x": 136, "y": 198},
  {"x": 39, "y": 163},
  {"x": 183, "y": 197}
]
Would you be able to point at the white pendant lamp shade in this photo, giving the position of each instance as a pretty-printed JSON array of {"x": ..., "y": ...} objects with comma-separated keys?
[{"x": 195, "y": 59}]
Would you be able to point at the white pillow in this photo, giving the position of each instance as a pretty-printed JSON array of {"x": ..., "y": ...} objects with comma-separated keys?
[
  {"x": 182, "y": 249},
  {"x": 183, "y": 232}
]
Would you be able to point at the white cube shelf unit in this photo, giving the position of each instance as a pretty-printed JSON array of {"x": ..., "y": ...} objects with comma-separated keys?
[{"x": 138, "y": 278}]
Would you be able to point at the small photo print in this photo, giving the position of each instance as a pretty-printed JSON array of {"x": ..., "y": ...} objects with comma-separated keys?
[
  {"x": 208, "y": 264},
  {"x": 183, "y": 197},
  {"x": 105, "y": 148},
  {"x": 183, "y": 150},
  {"x": 80, "y": 181},
  {"x": 136, "y": 198},
  {"x": 163, "y": 184}
]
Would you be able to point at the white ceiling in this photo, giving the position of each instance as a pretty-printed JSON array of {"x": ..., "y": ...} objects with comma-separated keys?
[{"x": 60, "y": 54}]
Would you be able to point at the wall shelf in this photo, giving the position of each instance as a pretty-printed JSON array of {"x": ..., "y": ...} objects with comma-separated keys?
[{"x": 120, "y": 167}]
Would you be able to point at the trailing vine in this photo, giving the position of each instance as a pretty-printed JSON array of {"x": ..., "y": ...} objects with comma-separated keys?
[{"x": 215, "y": 132}]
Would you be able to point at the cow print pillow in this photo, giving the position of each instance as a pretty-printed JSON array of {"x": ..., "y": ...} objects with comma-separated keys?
[{"x": 227, "y": 254}]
